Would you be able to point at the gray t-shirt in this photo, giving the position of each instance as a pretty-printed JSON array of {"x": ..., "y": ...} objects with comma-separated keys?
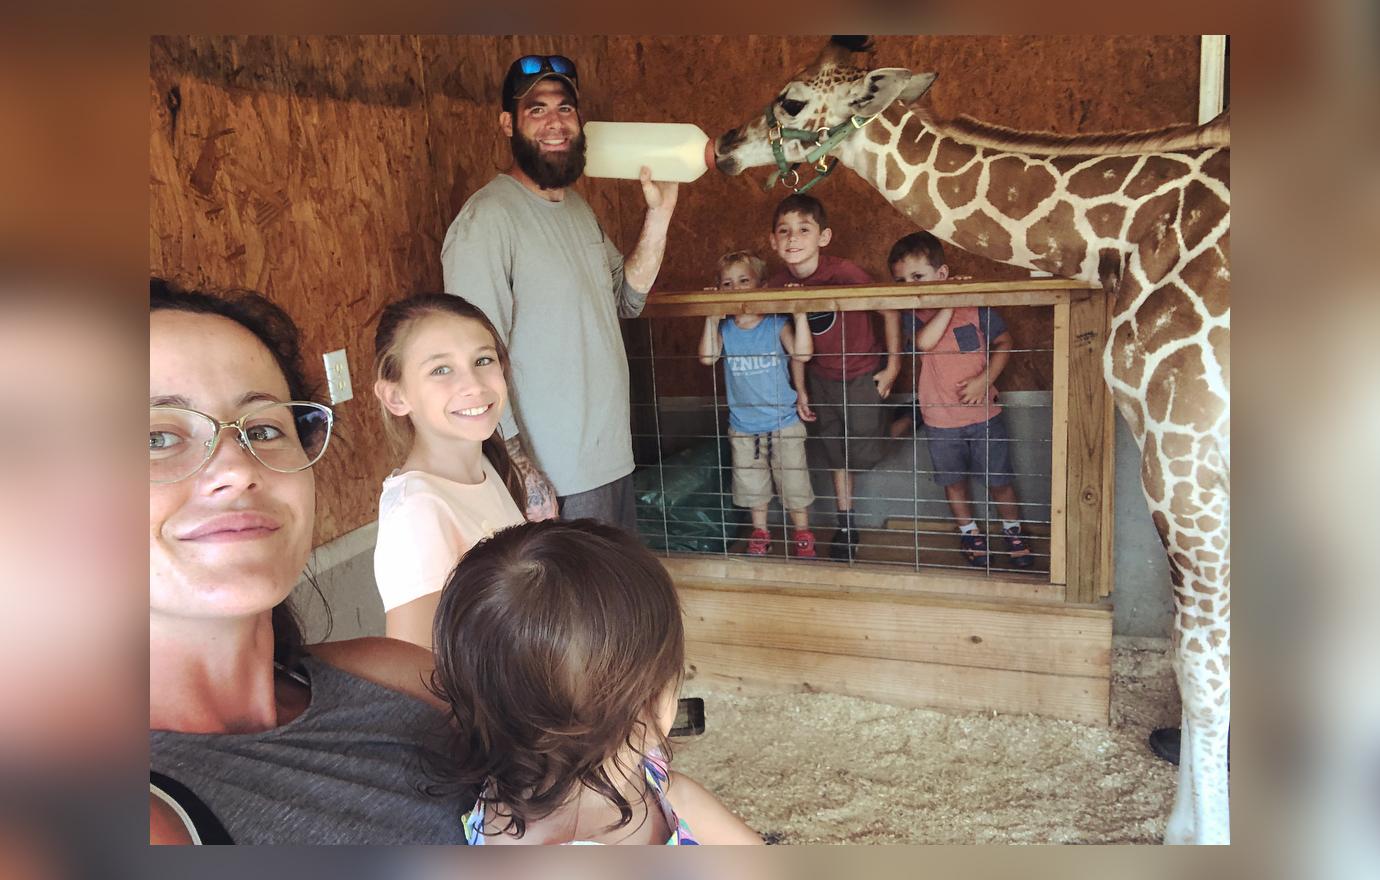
[
  {"x": 347, "y": 770},
  {"x": 552, "y": 283}
]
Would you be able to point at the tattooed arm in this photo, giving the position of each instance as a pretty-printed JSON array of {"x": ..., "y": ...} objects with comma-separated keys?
[{"x": 541, "y": 495}]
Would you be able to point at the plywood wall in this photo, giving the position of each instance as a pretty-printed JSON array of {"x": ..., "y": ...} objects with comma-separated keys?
[{"x": 323, "y": 171}]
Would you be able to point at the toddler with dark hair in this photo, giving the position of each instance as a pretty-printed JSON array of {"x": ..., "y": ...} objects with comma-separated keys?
[{"x": 560, "y": 648}]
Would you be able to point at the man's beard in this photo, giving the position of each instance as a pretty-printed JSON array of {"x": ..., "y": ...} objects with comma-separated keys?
[{"x": 555, "y": 170}]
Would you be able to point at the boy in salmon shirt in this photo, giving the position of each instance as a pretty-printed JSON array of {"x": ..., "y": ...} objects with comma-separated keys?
[
  {"x": 842, "y": 390},
  {"x": 963, "y": 350}
]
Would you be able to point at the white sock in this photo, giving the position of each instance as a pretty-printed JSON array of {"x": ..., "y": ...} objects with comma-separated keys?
[
  {"x": 1008, "y": 524},
  {"x": 968, "y": 528}
]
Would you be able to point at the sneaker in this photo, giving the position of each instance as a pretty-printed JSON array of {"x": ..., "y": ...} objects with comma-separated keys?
[
  {"x": 1021, "y": 557},
  {"x": 805, "y": 544},
  {"x": 975, "y": 548},
  {"x": 759, "y": 542},
  {"x": 845, "y": 545},
  {"x": 1164, "y": 742}
]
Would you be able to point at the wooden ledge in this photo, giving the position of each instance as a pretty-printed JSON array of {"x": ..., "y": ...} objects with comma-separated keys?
[
  {"x": 864, "y": 297},
  {"x": 822, "y": 573}
]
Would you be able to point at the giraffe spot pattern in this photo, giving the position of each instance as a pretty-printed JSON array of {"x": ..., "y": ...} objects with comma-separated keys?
[
  {"x": 1106, "y": 220},
  {"x": 979, "y": 233},
  {"x": 1220, "y": 340},
  {"x": 1207, "y": 274},
  {"x": 1169, "y": 313},
  {"x": 1015, "y": 188},
  {"x": 1055, "y": 241},
  {"x": 953, "y": 155},
  {"x": 958, "y": 190},
  {"x": 894, "y": 175},
  {"x": 916, "y": 151},
  {"x": 922, "y": 211},
  {"x": 1150, "y": 231},
  {"x": 1204, "y": 210},
  {"x": 1101, "y": 178},
  {"x": 1155, "y": 173}
]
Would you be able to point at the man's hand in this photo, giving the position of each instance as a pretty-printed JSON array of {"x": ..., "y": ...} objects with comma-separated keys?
[
  {"x": 973, "y": 391},
  {"x": 886, "y": 380},
  {"x": 660, "y": 194},
  {"x": 802, "y": 407},
  {"x": 541, "y": 495}
]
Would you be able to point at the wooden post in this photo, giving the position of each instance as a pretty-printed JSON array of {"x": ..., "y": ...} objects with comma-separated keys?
[
  {"x": 1059, "y": 448},
  {"x": 1088, "y": 399},
  {"x": 1106, "y": 572}
]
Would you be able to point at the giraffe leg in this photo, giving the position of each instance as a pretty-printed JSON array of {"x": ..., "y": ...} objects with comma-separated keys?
[
  {"x": 1179, "y": 828},
  {"x": 1190, "y": 507},
  {"x": 1207, "y": 744},
  {"x": 1201, "y": 813}
]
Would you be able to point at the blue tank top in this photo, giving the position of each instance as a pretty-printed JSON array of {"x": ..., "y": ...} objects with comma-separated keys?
[{"x": 756, "y": 376}]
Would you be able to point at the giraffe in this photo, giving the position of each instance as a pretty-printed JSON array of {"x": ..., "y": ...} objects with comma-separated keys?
[{"x": 1145, "y": 214}]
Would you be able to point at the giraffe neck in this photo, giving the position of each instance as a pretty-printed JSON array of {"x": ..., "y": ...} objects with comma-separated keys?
[{"x": 1008, "y": 206}]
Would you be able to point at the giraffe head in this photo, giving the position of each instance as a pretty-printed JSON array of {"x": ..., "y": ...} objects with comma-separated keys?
[{"x": 824, "y": 93}]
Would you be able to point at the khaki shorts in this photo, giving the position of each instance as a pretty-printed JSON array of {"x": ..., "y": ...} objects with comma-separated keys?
[
  {"x": 864, "y": 421},
  {"x": 758, "y": 458}
]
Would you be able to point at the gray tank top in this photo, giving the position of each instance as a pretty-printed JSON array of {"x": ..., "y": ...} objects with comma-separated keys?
[{"x": 347, "y": 770}]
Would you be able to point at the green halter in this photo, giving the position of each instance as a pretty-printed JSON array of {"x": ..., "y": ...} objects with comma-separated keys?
[{"x": 824, "y": 139}]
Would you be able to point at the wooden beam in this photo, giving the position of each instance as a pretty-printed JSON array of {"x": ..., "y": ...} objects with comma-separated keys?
[
  {"x": 862, "y": 297},
  {"x": 1059, "y": 438},
  {"x": 920, "y": 629},
  {"x": 843, "y": 577},
  {"x": 758, "y": 671}
]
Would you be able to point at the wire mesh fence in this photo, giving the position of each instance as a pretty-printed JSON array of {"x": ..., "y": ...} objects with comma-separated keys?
[{"x": 807, "y": 460}]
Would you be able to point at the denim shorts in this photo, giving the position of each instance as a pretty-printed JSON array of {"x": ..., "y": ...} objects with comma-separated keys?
[{"x": 977, "y": 450}]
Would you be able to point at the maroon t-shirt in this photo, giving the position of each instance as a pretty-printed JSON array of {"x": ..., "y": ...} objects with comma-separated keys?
[{"x": 836, "y": 332}]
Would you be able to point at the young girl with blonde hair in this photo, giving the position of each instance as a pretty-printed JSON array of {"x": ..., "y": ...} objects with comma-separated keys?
[{"x": 442, "y": 386}]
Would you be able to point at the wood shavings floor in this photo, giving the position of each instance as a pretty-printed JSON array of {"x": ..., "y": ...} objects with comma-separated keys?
[{"x": 821, "y": 768}]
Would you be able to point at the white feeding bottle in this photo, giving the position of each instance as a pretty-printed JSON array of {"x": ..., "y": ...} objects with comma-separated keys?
[{"x": 674, "y": 151}]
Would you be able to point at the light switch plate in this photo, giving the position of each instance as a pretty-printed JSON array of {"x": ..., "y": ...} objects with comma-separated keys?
[{"x": 338, "y": 376}]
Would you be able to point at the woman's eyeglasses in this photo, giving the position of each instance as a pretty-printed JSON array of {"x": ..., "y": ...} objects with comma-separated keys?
[{"x": 283, "y": 437}]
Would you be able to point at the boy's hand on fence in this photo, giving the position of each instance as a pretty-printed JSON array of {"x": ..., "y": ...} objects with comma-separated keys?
[
  {"x": 802, "y": 407},
  {"x": 974, "y": 391},
  {"x": 886, "y": 380}
]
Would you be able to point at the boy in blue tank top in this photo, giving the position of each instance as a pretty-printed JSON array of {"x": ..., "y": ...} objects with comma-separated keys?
[{"x": 766, "y": 434}]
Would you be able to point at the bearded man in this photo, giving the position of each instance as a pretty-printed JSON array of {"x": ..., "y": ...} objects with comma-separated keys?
[{"x": 528, "y": 250}]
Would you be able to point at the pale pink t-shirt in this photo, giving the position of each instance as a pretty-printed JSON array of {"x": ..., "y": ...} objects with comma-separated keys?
[{"x": 426, "y": 523}]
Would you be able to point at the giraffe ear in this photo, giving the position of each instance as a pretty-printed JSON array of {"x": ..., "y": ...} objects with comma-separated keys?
[{"x": 874, "y": 93}]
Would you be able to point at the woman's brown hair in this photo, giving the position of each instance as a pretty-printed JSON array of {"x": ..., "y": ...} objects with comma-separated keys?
[
  {"x": 395, "y": 325},
  {"x": 276, "y": 330},
  {"x": 555, "y": 642}
]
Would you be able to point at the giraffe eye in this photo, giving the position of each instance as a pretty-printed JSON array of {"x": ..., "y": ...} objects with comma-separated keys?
[{"x": 791, "y": 106}]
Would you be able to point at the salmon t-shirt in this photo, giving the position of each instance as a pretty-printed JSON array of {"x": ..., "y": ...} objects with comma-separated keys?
[{"x": 960, "y": 354}]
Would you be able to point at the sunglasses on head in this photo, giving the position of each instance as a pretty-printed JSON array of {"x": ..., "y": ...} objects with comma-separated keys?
[{"x": 532, "y": 64}]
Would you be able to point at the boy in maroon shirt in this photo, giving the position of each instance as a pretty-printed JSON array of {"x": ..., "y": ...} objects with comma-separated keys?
[{"x": 842, "y": 390}]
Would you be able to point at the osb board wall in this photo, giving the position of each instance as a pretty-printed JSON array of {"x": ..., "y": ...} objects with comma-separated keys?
[
  {"x": 299, "y": 168},
  {"x": 324, "y": 171}
]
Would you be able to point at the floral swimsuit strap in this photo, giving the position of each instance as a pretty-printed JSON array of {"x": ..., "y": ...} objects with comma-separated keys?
[{"x": 653, "y": 769}]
